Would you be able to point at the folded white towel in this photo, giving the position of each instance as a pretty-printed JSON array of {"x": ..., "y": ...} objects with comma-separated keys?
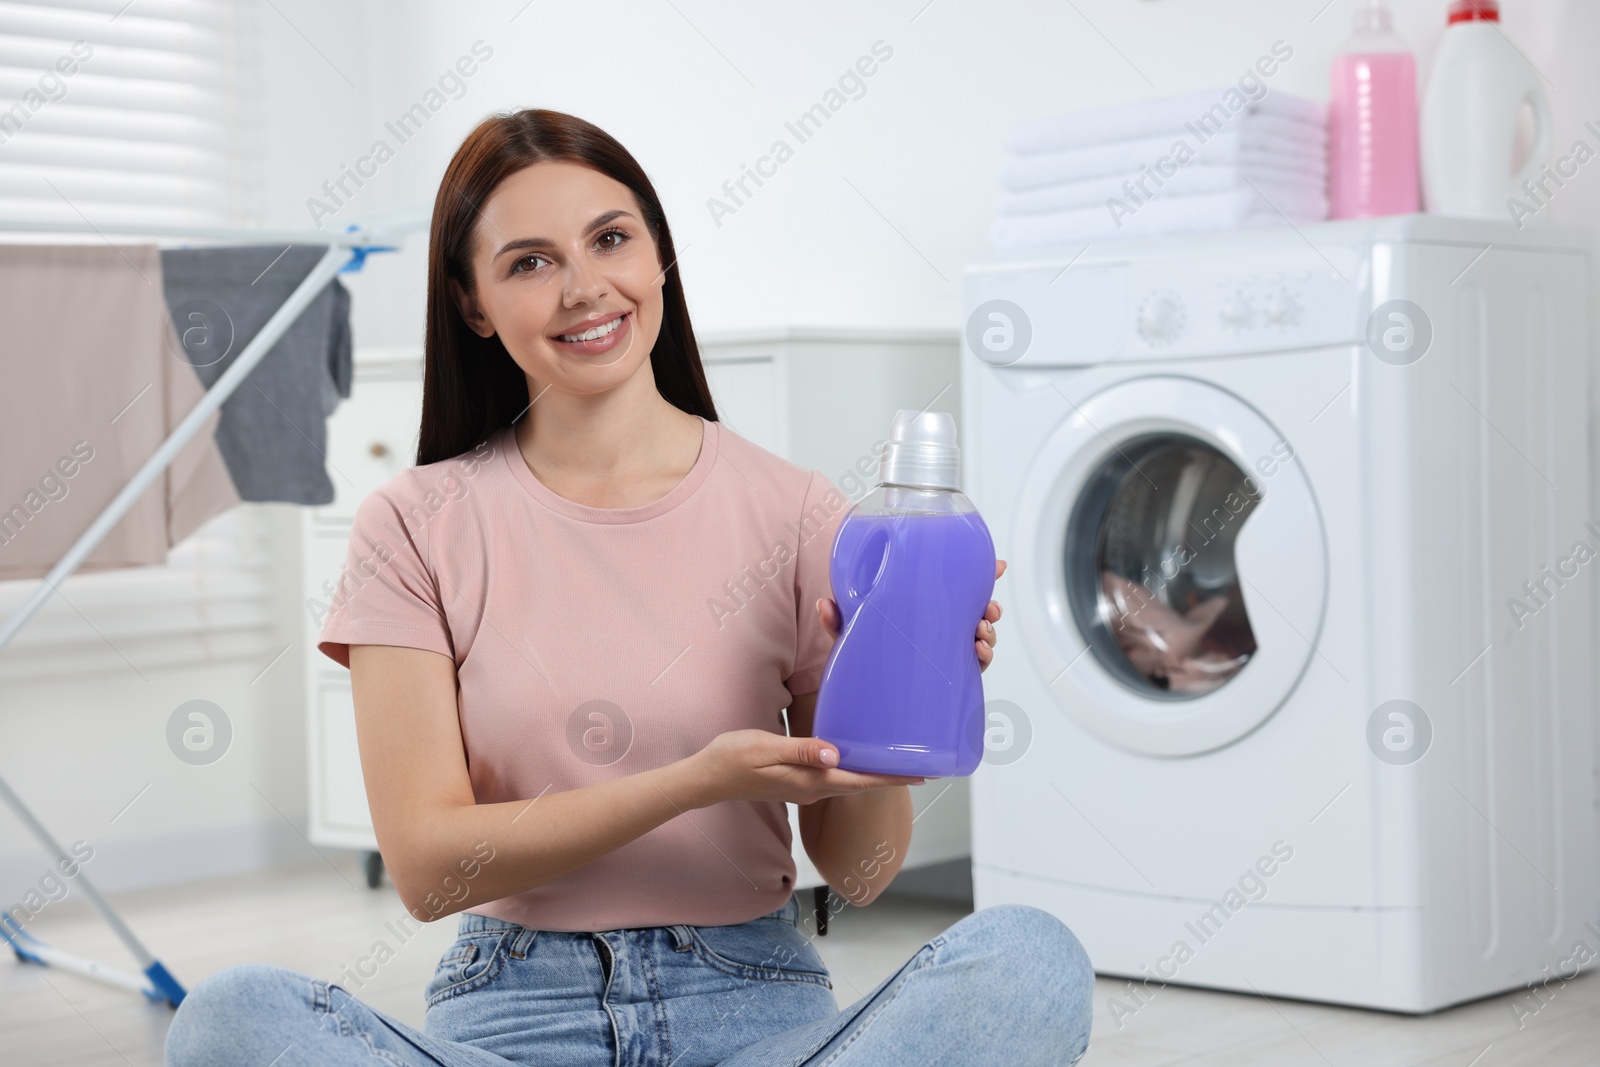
[
  {"x": 1168, "y": 215},
  {"x": 1191, "y": 180},
  {"x": 1124, "y": 158},
  {"x": 1207, "y": 109}
]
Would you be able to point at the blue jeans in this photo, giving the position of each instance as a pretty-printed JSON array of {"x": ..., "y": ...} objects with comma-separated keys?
[{"x": 1008, "y": 984}]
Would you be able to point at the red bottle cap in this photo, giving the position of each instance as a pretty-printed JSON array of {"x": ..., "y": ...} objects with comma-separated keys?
[{"x": 1474, "y": 11}]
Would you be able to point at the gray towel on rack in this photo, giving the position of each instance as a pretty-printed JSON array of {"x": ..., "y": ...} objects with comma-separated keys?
[{"x": 273, "y": 432}]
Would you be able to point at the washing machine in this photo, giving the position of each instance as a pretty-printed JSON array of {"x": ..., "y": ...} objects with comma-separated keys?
[{"x": 1296, "y": 689}]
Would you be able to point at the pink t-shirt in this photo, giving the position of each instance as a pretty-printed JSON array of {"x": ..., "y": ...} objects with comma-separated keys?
[{"x": 592, "y": 643}]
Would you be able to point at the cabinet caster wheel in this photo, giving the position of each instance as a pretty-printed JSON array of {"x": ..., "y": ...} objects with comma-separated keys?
[{"x": 374, "y": 868}]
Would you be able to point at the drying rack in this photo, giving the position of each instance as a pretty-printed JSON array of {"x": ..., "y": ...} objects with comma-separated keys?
[{"x": 347, "y": 252}]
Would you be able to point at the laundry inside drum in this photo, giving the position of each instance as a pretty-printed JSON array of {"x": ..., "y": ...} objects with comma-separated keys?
[{"x": 1150, "y": 567}]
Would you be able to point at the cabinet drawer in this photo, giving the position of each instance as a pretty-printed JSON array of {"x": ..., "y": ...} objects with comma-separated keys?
[
  {"x": 341, "y": 794},
  {"x": 371, "y": 438},
  {"x": 752, "y": 399}
]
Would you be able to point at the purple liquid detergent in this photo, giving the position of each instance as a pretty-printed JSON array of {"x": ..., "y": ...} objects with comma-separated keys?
[{"x": 912, "y": 571}]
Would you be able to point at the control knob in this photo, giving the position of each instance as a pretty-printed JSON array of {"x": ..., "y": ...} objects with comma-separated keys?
[{"x": 1161, "y": 318}]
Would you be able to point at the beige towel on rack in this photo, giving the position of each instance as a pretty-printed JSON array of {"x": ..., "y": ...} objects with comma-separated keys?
[{"x": 94, "y": 381}]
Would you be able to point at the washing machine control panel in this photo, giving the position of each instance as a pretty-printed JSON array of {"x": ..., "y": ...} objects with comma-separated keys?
[
  {"x": 1215, "y": 308},
  {"x": 1201, "y": 299}
]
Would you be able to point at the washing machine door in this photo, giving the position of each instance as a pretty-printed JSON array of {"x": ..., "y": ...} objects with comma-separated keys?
[{"x": 1172, "y": 566}]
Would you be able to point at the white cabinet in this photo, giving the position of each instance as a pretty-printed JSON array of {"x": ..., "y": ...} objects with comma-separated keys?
[
  {"x": 820, "y": 398},
  {"x": 371, "y": 437}
]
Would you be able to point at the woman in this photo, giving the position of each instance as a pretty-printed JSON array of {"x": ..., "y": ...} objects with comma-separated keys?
[{"x": 570, "y": 631}]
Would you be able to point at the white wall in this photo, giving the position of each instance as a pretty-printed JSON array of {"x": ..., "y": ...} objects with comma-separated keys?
[
  {"x": 90, "y": 684},
  {"x": 867, "y": 225}
]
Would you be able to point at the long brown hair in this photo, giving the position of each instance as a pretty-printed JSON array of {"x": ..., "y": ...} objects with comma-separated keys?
[{"x": 471, "y": 386}]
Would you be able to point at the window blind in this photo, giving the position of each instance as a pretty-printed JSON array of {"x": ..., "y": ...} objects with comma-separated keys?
[
  {"x": 125, "y": 112},
  {"x": 139, "y": 113}
]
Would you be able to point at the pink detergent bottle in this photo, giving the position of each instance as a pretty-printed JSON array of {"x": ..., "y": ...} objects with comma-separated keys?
[
  {"x": 912, "y": 571},
  {"x": 1372, "y": 122}
]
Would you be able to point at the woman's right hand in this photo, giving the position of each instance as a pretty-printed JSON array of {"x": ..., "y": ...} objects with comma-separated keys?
[{"x": 762, "y": 765}]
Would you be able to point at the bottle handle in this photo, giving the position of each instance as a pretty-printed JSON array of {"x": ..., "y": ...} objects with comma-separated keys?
[
  {"x": 1541, "y": 138},
  {"x": 863, "y": 571}
]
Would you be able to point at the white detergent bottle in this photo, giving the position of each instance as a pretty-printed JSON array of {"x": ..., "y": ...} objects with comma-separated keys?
[{"x": 1476, "y": 90}]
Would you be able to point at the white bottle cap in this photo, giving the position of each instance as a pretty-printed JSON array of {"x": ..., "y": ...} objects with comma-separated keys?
[
  {"x": 921, "y": 451},
  {"x": 1373, "y": 17}
]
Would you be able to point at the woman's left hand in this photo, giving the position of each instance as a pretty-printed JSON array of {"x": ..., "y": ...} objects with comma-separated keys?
[{"x": 828, "y": 612}]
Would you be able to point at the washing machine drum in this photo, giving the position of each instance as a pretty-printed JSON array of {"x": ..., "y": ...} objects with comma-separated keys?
[
  {"x": 1150, "y": 565},
  {"x": 1180, "y": 566}
]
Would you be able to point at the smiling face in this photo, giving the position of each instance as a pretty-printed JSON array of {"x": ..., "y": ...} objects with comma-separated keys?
[{"x": 568, "y": 275}]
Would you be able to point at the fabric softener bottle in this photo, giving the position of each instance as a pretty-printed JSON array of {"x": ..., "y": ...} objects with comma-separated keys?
[
  {"x": 1372, "y": 122},
  {"x": 912, "y": 571}
]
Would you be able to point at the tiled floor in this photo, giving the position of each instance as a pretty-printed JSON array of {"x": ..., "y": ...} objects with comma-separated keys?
[{"x": 320, "y": 919}]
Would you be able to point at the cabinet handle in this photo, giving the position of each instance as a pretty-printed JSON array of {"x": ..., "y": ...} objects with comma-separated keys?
[{"x": 379, "y": 449}]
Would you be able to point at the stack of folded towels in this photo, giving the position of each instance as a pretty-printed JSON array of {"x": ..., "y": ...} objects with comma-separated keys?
[{"x": 1173, "y": 165}]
